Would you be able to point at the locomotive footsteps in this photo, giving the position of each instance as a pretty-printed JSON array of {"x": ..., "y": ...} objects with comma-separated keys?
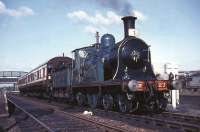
[{"x": 81, "y": 99}]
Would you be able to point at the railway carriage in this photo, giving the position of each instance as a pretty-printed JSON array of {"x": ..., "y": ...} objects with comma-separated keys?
[{"x": 39, "y": 80}]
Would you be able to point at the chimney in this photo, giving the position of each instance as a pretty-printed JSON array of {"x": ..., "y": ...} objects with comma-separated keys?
[{"x": 129, "y": 25}]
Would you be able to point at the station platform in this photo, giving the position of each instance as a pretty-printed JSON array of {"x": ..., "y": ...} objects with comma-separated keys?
[
  {"x": 5, "y": 121},
  {"x": 3, "y": 111}
]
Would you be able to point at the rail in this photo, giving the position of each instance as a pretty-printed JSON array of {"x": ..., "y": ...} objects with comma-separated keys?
[
  {"x": 104, "y": 126},
  {"x": 31, "y": 116},
  {"x": 175, "y": 121}
]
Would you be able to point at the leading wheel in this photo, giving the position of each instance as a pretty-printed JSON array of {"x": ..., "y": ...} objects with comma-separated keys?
[
  {"x": 162, "y": 104},
  {"x": 151, "y": 104},
  {"x": 123, "y": 103},
  {"x": 134, "y": 105}
]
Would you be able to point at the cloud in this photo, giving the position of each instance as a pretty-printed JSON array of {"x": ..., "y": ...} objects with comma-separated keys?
[
  {"x": 91, "y": 29},
  {"x": 140, "y": 16},
  {"x": 21, "y": 11},
  {"x": 98, "y": 18},
  {"x": 97, "y": 22},
  {"x": 2, "y": 7}
]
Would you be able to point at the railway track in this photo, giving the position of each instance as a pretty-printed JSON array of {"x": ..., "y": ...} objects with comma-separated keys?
[
  {"x": 115, "y": 121},
  {"x": 59, "y": 120},
  {"x": 180, "y": 117},
  {"x": 165, "y": 121},
  {"x": 26, "y": 120}
]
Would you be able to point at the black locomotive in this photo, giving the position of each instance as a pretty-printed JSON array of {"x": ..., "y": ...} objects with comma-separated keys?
[{"x": 111, "y": 75}]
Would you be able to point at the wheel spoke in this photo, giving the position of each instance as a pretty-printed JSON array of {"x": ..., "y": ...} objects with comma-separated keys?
[
  {"x": 162, "y": 104},
  {"x": 134, "y": 106},
  {"x": 123, "y": 103}
]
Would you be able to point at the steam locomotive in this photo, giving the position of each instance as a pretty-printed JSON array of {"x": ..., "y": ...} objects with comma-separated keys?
[{"x": 107, "y": 74}]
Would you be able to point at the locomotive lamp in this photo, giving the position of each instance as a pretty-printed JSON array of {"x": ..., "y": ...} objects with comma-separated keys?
[
  {"x": 49, "y": 77},
  {"x": 134, "y": 85}
]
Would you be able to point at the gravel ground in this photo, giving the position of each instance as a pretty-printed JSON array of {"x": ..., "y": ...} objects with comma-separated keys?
[
  {"x": 189, "y": 92},
  {"x": 190, "y": 105},
  {"x": 60, "y": 119}
]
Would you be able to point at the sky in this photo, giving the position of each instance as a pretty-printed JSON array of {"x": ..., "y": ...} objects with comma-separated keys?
[{"x": 33, "y": 31}]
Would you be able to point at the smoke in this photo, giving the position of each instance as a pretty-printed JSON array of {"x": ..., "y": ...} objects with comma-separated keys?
[{"x": 122, "y": 7}]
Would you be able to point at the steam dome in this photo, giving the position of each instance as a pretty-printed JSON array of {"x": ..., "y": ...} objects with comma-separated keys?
[{"x": 107, "y": 40}]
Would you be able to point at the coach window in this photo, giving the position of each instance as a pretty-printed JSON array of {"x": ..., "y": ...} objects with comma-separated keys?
[
  {"x": 32, "y": 77},
  {"x": 37, "y": 74},
  {"x": 41, "y": 73},
  {"x": 44, "y": 72}
]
